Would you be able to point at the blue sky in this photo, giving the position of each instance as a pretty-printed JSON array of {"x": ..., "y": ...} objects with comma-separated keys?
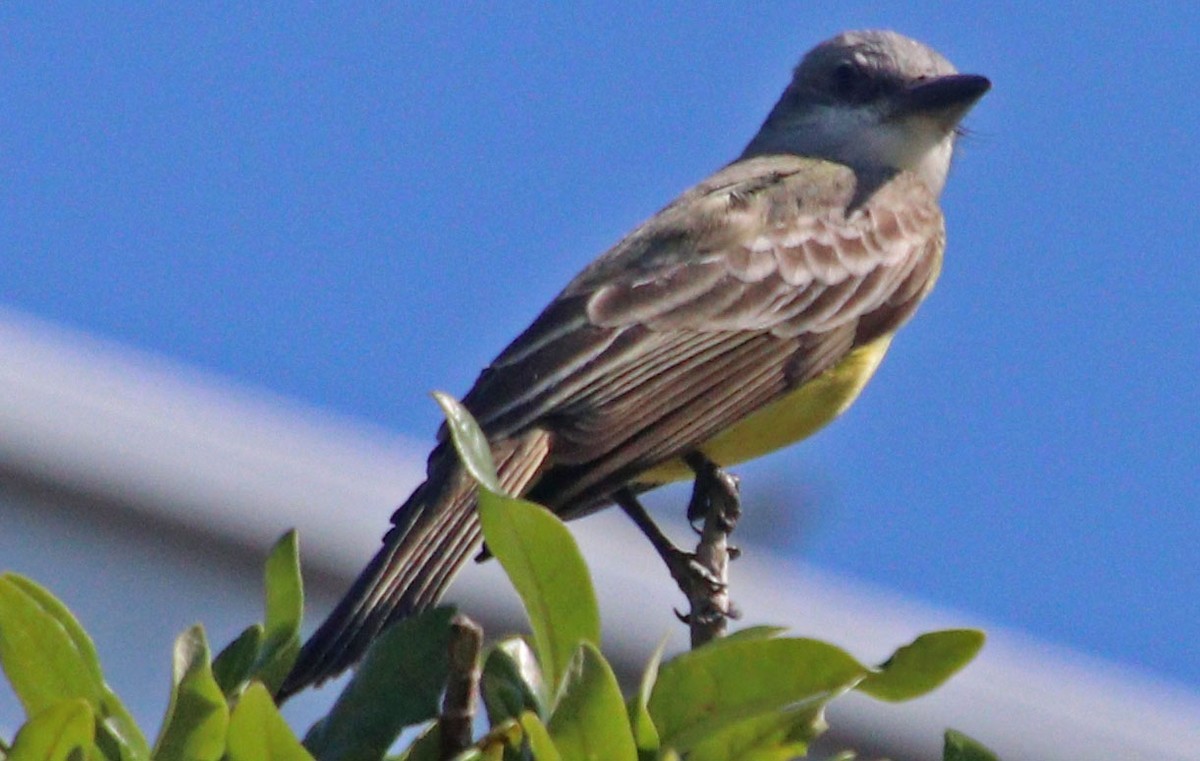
[{"x": 352, "y": 206}]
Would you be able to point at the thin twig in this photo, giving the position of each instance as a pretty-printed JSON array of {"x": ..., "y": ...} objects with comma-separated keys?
[{"x": 462, "y": 685}]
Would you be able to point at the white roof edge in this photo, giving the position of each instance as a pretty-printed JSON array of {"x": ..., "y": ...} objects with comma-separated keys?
[
  {"x": 136, "y": 430},
  {"x": 104, "y": 419}
]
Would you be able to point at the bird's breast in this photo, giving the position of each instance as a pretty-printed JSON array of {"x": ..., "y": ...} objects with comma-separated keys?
[{"x": 791, "y": 418}]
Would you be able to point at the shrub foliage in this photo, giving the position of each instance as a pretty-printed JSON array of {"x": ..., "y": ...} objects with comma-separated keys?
[{"x": 756, "y": 695}]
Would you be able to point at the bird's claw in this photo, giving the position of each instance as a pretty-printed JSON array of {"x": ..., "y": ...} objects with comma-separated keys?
[
  {"x": 690, "y": 574},
  {"x": 716, "y": 491}
]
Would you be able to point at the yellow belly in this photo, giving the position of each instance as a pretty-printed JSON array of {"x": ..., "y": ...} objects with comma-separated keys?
[{"x": 796, "y": 416}]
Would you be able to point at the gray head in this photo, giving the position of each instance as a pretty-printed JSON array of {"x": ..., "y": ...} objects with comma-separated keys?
[{"x": 873, "y": 100}]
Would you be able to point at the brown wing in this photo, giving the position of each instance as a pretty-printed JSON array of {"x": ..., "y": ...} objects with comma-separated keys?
[{"x": 744, "y": 288}]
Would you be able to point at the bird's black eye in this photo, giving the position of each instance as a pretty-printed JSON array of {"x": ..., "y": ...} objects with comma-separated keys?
[{"x": 850, "y": 81}]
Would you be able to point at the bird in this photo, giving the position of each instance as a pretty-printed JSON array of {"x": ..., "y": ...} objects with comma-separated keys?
[{"x": 744, "y": 316}]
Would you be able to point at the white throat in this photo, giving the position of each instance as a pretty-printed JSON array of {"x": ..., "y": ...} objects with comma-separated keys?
[{"x": 861, "y": 138}]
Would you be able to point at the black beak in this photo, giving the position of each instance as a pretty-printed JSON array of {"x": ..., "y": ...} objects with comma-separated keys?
[{"x": 946, "y": 98}]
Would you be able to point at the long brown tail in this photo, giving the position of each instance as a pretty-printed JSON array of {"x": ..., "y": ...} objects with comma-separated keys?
[
  {"x": 434, "y": 532},
  {"x": 420, "y": 555}
]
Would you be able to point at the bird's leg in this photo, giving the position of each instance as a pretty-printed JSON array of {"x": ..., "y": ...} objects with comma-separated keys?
[
  {"x": 717, "y": 502},
  {"x": 682, "y": 565},
  {"x": 702, "y": 575}
]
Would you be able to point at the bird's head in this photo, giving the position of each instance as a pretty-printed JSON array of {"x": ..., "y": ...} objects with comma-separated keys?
[{"x": 873, "y": 100}]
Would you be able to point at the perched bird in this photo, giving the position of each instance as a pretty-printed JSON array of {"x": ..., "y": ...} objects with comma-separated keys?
[{"x": 742, "y": 317}]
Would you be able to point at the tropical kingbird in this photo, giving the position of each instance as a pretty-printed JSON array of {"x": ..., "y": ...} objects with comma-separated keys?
[{"x": 742, "y": 317}]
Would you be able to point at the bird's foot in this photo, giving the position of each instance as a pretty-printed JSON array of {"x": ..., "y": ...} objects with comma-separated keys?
[
  {"x": 690, "y": 574},
  {"x": 716, "y": 494},
  {"x": 706, "y": 592},
  {"x": 717, "y": 502}
]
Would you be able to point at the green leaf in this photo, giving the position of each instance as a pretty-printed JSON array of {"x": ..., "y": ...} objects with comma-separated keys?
[
  {"x": 284, "y": 589},
  {"x": 511, "y": 682},
  {"x": 773, "y": 736},
  {"x": 258, "y": 733},
  {"x": 645, "y": 735},
  {"x": 500, "y": 741},
  {"x": 534, "y": 548},
  {"x": 284, "y": 612},
  {"x": 589, "y": 721},
  {"x": 959, "y": 747},
  {"x": 426, "y": 747},
  {"x": 62, "y": 732},
  {"x": 267, "y": 651},
  {"x": 397, "y": 685},
  {"x": 197, "y": 717},
  {"x": 233, "y": 667},
  {"x": 45, "y": 653},
  {"x": 544, "y": 565},
  {"x": 469, "y": 440},
  {"x": 538, "y": 738},
  {"x": 49, "y": 659},
  {"x": 751, "y": 633},
  {"x": 924, "y": 665},
  {"x": 700, "y": 693}
]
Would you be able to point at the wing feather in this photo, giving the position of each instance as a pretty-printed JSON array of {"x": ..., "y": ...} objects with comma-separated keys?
[{"x": 745, "y": 287}]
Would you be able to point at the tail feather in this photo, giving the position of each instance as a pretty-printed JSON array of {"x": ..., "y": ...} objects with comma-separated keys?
[
  {"x": 435, "y": 532},
  {"x": 388, "y": 589}
]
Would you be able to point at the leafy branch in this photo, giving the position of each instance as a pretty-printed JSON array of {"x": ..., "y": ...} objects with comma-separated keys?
[{"x": 755, "y": 694}]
